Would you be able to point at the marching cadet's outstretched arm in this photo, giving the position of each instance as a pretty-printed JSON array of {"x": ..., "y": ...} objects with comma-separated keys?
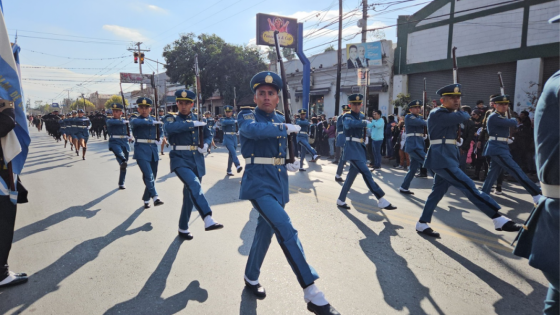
[
  {"x": 353, "y": 123},
  {"x": 172, "y": 128},
  {"x": 251, "y": 129},
  {"x": 228, "y": 122},
  {"x": 139, "y": 122},
  {"x": 417, "y": 122},
  {"x": 300, "y": 122},
  {"x": 502, "y": 122},
  {"x": 451, "y": 119},
  {"x": 114, "y": 122}
]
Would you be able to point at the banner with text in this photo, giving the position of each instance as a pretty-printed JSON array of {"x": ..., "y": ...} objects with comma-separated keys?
[
  {"x": 364, "y": 55},
  {"x": 135, "y": 78},
  {"x": 267, "y": 24}
]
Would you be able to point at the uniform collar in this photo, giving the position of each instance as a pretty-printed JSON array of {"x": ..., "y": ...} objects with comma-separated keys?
[{"x": 263, "y": 113}]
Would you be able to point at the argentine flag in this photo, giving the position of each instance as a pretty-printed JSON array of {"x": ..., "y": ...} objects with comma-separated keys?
[{"x": 15, "y": 145}]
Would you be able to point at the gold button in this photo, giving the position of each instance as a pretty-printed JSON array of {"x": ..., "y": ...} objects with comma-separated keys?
[
  {"x": 272, "y": 120},
  {"x": 278, "y": 170},
  {"x": 280, "y": 144},
  {"x": 252, "y": 154},
  {"x": 280, "y": 153}
]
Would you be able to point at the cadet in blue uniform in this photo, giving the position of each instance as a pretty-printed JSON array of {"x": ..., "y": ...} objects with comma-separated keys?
[
  {"x": 539, "y": 239},
  {"x": 265, "y": 183},
  {"x": 443, "y": 160},
  {"x": 118, "y": 140},
  {"x": 414, "y": 144},
  {"x": 498, "y": 150},
  {"x": 83, "y": 124},
  {"x": 280, "y": 116},
  {"x": 229, "y": 126},
  {"x": 146, "y": 148},
  {"x": 340, "y": 141},
  {"x": 70, "y": 129},
  {"x": 187, "y": 161},
  {"x": 63, "y": 121},
  {"x": 161, "y": 114},
  {"x": 210, "y": 125},
  {"x": 355, "y": 152},
  {"x": 303, "y": 139}
]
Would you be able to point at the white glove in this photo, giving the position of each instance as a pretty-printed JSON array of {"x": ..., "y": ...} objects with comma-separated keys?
[
  {"x": 479, "y": 131},
  {"x": 292, "y": 128},
  {"x": 199, "y": 123},
  {"x": 293, "y": 167},
  {"x": 155, "y": 122},
  {"x": 459, "y": 142},
  {"x": 510, "y": 140},
  {"x": 425, "y": 137},
  {"x": 367, "y": 141},
  {"x": 125, "y": 121},
  {"x": 158, "y": 142},
  {"x": 131, "y": 139},
  {"x": 204, "y": 149}
]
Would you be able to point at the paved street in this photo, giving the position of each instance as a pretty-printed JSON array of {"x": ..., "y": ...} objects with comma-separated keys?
[{"x": 92, "y": 249}]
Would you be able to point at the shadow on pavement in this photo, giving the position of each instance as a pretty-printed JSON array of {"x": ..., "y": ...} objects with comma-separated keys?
[
  {"x": 48, "y": 168},
  {"x": 513, "y": 301},
  {"x": 48, "y": 279},
  {"x": 248, "y": 302},
  {"x": 149, "y": 300},
  {"x": 401, "y": 288},
  {"x": 74, "y": 211},
  {"x": 248, "y": 233}
]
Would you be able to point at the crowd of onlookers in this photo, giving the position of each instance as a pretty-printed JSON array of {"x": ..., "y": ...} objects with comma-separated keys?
[{"x": 387, "y": 139}]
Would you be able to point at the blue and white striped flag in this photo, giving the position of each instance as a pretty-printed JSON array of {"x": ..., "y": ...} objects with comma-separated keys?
[{"x": 10, "y": 89}]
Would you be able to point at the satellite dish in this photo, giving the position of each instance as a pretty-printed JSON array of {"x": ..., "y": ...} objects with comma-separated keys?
[{"x": 361, "y": 23}]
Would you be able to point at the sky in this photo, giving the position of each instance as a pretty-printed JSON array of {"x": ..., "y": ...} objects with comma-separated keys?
[{"x": 70, "y": 47}]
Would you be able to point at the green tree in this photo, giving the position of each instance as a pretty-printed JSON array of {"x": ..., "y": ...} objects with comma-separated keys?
[
  {"x": 79, "y": 104},
  {"x": 288, "y": 53},
  {"x": 330, "y": 48},
  {"x": 115, "y": 99},
  {"x": 222, "y": 66}
]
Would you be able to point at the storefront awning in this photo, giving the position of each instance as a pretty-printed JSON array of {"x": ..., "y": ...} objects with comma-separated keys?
[{"x": 314, "y": 92}]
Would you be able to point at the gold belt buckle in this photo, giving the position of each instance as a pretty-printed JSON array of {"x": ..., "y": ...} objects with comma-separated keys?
[
  {"x": 149, "y": 140},
  {"x": 277, "y": 161}
]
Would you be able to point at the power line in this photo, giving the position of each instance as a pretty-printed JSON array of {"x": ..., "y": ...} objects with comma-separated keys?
[
  {"x": 97, "y": 38},
  {"x": 46, "y": 54}
]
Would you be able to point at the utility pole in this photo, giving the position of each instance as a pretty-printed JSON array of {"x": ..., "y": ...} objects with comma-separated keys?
[
  {"x": 234, "y": 99},
  {"x": 364, "y": 20},
  {"x": 139, "y": 51},
  {"x": 339, "y": 62}
]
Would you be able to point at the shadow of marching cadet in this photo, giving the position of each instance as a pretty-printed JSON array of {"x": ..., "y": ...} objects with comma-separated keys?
[
  {"x": 248, "y": 304},
  {"x": 513, "y": 301},
  {"x": 401, "y": 288},
  {"x": 74, "y": 211},
  {"x": 149, "y": 300},
  {"x": 48, "y": 279},
  {"x": 163, "y": 178},
  {"x": 48, "y": 168},
  {"x": 248, "y": 233}
]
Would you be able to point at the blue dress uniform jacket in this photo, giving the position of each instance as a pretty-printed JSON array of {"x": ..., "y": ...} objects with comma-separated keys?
[
  {"x": 340, "y": 137},
  {"x": 116, "y": 127},
  {"x": 82, "y": 124},
  {"x": 262, "y": 135},
  {"x": 143, "y": 128},
  {"x": 443, "y": 155},
  {"x": 354, "y": 124},
  {"x": 414, "y": 124},
  {"x": 498, "y": 126},
  {"x": 539, "y": 242},
  {"x": 304, "y": 124},
  {"x": 71, "y": 126},
  {"x": 210, "y": 122},
  {"x": 229, "y": 126},
  {"x": 181, "y": 131}
]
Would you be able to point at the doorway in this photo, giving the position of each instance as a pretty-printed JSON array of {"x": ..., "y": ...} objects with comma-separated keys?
[{"x": 372, "y": 104}]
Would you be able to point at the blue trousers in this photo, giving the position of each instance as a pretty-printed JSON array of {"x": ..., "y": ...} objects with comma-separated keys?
[
  {"x": 273, "y": 219},
  {"x": 552, "y": 300},
  {"x": 355, "y": 168},
  {"x": 192, "y": 196},
  {"x": 506, "y": 162},
  {"x": 376, "y": 149},
  {"x": 416, "y": 161},
  {"x": 341, "y": 163},
  {"x": 149, "y": 174},
  {"x": 305, "y": 147},
  {"x": 231, "y": 144},
  {"x": 121, "y": 153},
  {"x": 445, "y": 177}
]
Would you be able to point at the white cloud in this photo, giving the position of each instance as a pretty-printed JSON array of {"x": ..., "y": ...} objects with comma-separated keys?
[
  {"x": 157, "y": 9},
  {"x": 125, "y": 32}
]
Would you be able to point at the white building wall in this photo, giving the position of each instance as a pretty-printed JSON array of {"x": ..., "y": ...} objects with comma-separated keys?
[
  {"x": 427, "y": 45},
  {"x": 462, "y": 5},
  {"x": 527, "y": 80},
  {"x": 487, "y": 34},
  {"x": 439, "y": 15},
  {"x": 540, "y": 31}
]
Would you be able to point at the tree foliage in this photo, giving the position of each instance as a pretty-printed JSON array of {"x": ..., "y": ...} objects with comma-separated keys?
[
  {"x": 222, "y": 66},
  {"x": 115, "y": 99},
  {"x": 79, "y": 104},
  {"x": 330, "y": 48}
]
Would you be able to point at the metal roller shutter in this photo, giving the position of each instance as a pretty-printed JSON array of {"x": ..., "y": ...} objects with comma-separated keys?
[
  {"x": 478, "y": 82},
  {"x": 550, "y": 67}
]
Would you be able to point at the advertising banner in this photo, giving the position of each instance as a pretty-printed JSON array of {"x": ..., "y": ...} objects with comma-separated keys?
[
  {"x": 363, "y": 76},
  {"x": 364, "y": 55},
  {"x": 55, "y": 105},
  {"x": 135, "y": 78},
  {"x": 267, "y": 24}
]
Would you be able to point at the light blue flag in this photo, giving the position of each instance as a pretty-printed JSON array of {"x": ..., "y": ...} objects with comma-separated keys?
[{"x": 10, "y": 89}]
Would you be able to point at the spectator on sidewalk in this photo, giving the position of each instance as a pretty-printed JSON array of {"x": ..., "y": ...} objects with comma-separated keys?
[
  {"x": 377, "y": 128},
  {"x": 331, "y": 133}
]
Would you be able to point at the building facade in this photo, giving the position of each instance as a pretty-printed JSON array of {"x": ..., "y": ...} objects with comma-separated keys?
[
  {"x": 323, "y": 82},
  {"x": 491, "y": 36}
]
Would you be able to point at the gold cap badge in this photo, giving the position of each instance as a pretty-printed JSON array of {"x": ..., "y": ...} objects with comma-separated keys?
[
  {"x": 184, "y": 94},
  {"x": 357, "y": 98},
  {"x": 268, "y": 79},
  {"x": 505, "y": 98},
  {"x": 456, "y": 90},
  {"x": 417, "y": 103},
  {"x": 144, "y": 102}
]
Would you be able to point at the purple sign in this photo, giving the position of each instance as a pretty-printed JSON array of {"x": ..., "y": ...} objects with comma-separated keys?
[{"x": 267, "y": 24}]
